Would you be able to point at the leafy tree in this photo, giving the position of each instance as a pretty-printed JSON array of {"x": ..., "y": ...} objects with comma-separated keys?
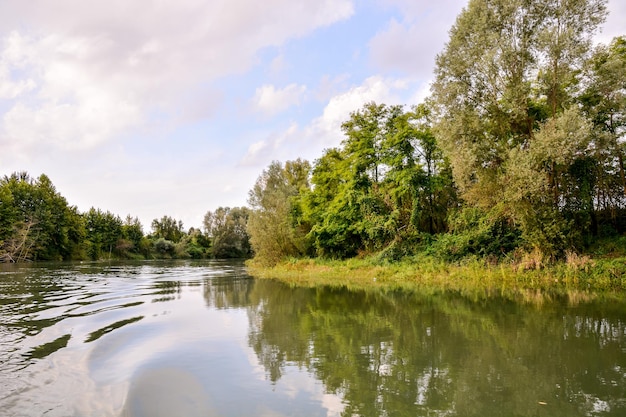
[
  {"x": 8, "y": 212},
  {"x": 197, "y": 244},
  {"x": 434, "y": 193},
  {"x": 355, "y": 214},
  {"x": 387, "y": 182},
  {"x": 164, "y": 247},
  {"x": 329, "y": 208},
  {"x": 604, "y": 103},
  {"x": 505, "y": 91},
  {"x": 38, "y": 219},
  {"x": 226, "y": 228},
  {"x": 273, "y": 224},
  {"x": 168, "y": 229},
  {"x": 104, "y": 230},
  {"x": 131, "y": 243},
  {"x": 132, "y": 231}
]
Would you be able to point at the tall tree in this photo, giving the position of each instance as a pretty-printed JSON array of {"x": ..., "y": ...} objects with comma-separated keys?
[
  {"x": 168, "y": 228},
  {"x": 604, "y": 102},
  {"x": 226, "y": 227},
  {"x": 505, "y": 86},
  {"x": 104, "y": 230},
  {"x": 132, "y": 234},
  {"x": 385, "y": 183},
  {"x": 39, "y": 220},
  {"x": 273, "y": 224}
]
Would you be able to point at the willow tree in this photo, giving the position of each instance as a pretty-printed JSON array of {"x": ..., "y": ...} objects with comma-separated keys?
[
  {"x": 226, "y": 227},
  {"x": 505, "y": 90},
  {"x": 274, "y": 221}
]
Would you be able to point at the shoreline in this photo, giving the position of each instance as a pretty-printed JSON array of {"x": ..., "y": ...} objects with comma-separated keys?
[{"x": 594, "y": 280}]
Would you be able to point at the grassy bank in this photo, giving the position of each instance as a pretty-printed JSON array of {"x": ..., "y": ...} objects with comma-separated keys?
[{"x": 577, "y": 279}]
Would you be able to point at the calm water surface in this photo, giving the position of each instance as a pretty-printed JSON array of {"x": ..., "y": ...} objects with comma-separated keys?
[{"x": 204, "y": 339}]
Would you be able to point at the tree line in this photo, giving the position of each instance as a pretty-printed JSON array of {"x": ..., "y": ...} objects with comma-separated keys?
[
  {"x": 519, "y": 149},
  {"x": 38, "y": 224}
]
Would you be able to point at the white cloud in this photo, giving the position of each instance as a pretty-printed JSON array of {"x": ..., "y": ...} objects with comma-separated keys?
[
  {"x": 74, "y": 74},
  {"x": 270, "y": 101},
  {"x": 278, "y": 65},
  {"x": 614, "y": 25},
  {"x": 9, "y": 88},
  {"x": 410, "y": 45},
  {"x": 260, "y": 153},
  {"x": 255, "y": 152},
  {"x": 325, "y": 131}
]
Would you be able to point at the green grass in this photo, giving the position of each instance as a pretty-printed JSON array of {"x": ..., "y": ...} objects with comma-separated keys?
[{"x": 578, "y": 279}]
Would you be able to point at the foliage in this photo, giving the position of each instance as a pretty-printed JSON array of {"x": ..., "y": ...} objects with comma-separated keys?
[
  {"x": 168, "y": 228},
  {"x": 164, "y": 248},
  {"x": 274, "y": 226},
  {"x": 197, "y": 244},
  {"x": 506, "y": 93},
  {"x": 103, "y": 233},
  {"x": 388, "y": 179},
  {"x": 36, "y": 221},
  {"x": 132, "y": 231},
  {"x": 226, "y": 228},
  {"x": 474, "y": 232}
]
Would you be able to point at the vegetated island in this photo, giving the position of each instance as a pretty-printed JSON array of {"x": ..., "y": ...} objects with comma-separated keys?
[{"x": 508, "y": 180}]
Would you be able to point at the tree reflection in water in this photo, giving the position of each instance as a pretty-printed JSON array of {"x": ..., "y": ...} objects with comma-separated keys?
[{"x": 411, "y": 354}]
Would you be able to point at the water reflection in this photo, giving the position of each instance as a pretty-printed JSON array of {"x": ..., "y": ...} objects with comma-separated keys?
[
  {"x": 186, "y": 338},
  {"x": 395, "y": 354}
]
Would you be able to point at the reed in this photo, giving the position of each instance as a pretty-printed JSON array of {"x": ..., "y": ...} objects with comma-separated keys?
[{"x": 577, "y": 280}]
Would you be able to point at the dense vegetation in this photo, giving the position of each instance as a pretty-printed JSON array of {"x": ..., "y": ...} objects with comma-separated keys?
[
  {"x": 37, "y": 223},
  {"x": 518, "y": 154}
]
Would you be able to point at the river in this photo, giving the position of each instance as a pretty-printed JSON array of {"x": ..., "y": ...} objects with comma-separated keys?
[{"x": 190, "y": 338}]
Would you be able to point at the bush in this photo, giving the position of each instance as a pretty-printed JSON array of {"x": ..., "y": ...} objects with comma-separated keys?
[
  {"x": 404, "y": 246},
  {"x": 164, "y": 247},
  {"x": 474, "y": 232}
]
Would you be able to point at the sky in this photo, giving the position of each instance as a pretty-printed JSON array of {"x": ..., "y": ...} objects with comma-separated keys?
[{"x": 154, "y": 107}]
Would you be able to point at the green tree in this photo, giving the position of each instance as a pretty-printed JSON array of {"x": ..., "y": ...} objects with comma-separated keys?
[
  {"x": 197, "y": 244},
  {"x": 168, "y": 228},
  {"x": 8, "y": 212},
  {"x": 505, "y": 92},
  {"x": 226, "y": 227},
  {"x": 330, "y": 209},
  {"x": 604, "y": 102},
  {"x": 387, "y": 183},
  {"x": 433, "y": 190},
  {"x": 39, "y": 221},
  {"x": 104, "y": 231},
  {"x": 273, "y": 224},
  {"x": 357, "y": 215},
  {"x": 132, "y": 236}
]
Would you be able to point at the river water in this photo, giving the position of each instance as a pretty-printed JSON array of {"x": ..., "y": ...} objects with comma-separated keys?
[{"x": 204, "y": 339}]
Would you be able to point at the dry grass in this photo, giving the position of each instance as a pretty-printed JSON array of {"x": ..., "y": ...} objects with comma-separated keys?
[{"x": 578, "y": 262}]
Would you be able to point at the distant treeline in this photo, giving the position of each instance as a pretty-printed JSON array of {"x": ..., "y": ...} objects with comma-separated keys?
[
  {"x": 518, "y": 151},
  {"x": 37, "y": 224}
]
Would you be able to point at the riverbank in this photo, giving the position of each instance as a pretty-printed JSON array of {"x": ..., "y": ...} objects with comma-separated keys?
[{"x": 577, "y": 279}]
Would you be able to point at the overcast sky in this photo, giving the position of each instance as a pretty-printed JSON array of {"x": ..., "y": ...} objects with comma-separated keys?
[{"x": 157, "y": 107}]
